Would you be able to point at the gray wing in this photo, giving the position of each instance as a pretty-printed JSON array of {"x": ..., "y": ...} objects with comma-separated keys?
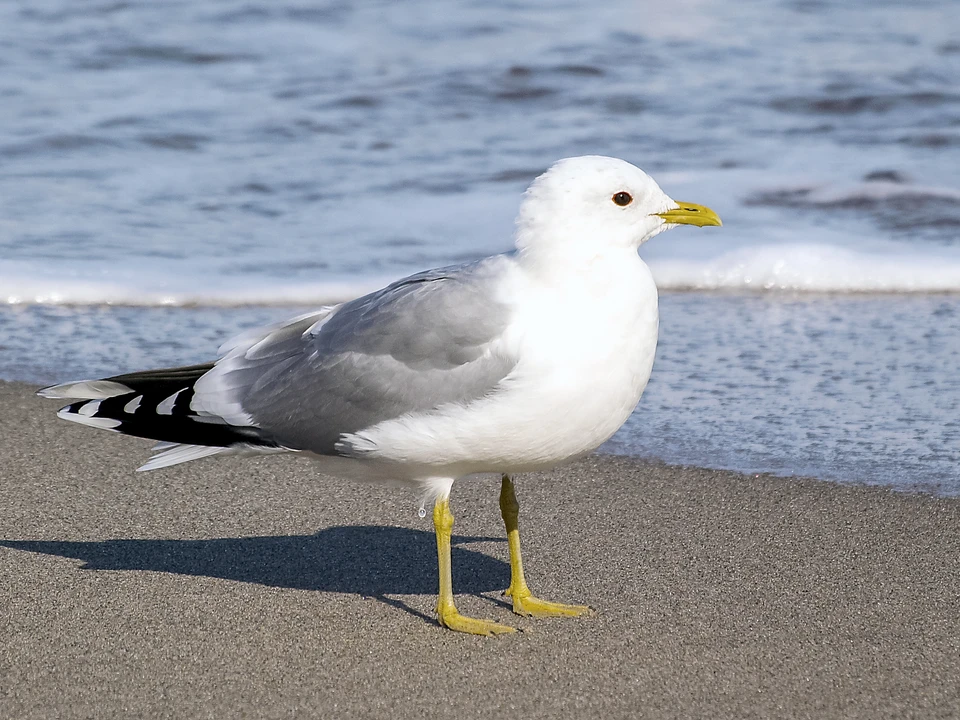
[{"x": 422, "y": 342}]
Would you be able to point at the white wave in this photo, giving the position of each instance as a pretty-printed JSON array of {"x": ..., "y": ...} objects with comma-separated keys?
[
  {"x": 811, "y": 268},
  {"x": 804, "y": 267}
]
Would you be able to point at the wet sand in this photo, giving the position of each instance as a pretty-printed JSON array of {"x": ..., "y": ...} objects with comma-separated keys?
[{"x": 257, "y": 588}]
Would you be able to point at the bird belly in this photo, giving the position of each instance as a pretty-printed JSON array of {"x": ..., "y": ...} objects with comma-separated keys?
[{"x": 590, "y": 386}]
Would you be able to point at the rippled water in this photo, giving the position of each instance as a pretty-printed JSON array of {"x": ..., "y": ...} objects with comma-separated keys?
[
  {"x": 848, "y": 388},
  {"x": 224, "y": 155},
  {"x": 212, "y": 151}
]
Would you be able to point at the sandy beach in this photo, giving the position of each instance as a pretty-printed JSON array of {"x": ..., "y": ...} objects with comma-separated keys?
[{"x": 257, "y": 588}]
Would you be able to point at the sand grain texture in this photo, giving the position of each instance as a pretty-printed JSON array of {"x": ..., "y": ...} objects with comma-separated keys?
[{"x": 256, "y": 588}]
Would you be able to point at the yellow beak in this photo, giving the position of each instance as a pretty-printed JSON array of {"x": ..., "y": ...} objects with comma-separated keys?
[{"x": 691, "y": 214}]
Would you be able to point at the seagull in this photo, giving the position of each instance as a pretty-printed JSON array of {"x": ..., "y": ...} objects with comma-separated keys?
[{"x": 514, "y": 363}]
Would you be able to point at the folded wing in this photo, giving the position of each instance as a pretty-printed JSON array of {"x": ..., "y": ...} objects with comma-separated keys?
[{"x": 431, "y": 339}]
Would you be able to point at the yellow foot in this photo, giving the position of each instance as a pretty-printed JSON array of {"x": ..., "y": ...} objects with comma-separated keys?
[
  {"x": 531, "y": 606},
  {"x": 455, "y": 621}
]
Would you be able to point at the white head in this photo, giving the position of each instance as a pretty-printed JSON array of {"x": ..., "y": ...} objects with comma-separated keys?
[{"x": 590, "y": 205}]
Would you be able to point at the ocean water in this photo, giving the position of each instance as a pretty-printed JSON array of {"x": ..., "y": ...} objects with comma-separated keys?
[{"x": 173, "y": 172}]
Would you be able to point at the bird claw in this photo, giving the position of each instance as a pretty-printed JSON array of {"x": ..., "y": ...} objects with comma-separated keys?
[
  {"x": 450, "y": 618},
  {"x": 528, "y": 605}
]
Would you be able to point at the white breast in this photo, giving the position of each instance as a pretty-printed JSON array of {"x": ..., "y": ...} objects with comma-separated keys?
[
  {"x": 586, "y": 350},
  {"x": 591, "y": 353}
]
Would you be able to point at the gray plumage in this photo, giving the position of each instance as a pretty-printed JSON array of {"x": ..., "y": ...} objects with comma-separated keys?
[{"x": 422, "y": 342}]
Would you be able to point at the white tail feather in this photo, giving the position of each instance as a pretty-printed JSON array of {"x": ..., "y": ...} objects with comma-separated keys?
[
  {"x": 168, "y": 454},
  {"x": 174, "y": 454}
]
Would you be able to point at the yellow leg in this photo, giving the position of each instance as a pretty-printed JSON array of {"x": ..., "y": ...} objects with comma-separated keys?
[
  {"x": 446, "y": 611},
  {"x": 524, "y": 602}
]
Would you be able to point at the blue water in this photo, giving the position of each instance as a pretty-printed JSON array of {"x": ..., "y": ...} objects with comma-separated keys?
[{"x": 172, "y": 172}]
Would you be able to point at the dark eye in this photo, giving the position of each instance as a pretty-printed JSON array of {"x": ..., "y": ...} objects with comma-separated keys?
[{"x": 623, "y": 198}]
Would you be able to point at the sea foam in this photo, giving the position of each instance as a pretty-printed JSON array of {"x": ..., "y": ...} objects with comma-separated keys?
[
  {"x": 811, "y": 268},
  {"x": 798, "y": 267}
]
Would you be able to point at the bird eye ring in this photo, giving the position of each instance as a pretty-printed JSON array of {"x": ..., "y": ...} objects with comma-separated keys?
[{"x": 623, "y": 198}]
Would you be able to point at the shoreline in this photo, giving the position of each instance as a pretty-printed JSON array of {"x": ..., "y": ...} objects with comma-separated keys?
[
  {"x": 738, "y": 383},
  {"x": 255, "y": 586}
]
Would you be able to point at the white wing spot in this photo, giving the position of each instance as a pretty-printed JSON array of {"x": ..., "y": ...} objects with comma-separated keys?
[
  {"x": 131, "y": 407},
  {"x": 166, "y": 407},
  {"x": 97, "y": 422},
  {"x": 89, "y": 409},
  {"x": 102, "y": 423}
]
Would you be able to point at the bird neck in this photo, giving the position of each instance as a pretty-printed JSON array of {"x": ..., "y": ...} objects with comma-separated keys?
[{"x": 572, "y": 265}]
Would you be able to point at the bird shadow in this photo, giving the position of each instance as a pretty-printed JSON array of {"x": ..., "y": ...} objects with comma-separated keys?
[{"x": 371, "y": 561}]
